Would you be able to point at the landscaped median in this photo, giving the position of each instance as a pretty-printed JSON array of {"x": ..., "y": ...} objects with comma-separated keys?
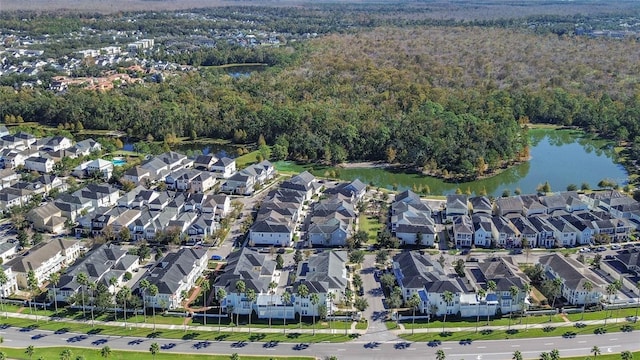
[
  {"x": 494, "y": 334},
  {"x": 177, "y": 332},
  {"x": 94, "y": 354}
]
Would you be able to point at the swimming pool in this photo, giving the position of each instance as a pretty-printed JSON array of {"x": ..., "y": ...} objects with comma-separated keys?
[{"x": 118, "y": 162}]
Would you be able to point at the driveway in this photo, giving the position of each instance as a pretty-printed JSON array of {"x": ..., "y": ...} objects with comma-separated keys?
[{"x": 376, "y": 312}]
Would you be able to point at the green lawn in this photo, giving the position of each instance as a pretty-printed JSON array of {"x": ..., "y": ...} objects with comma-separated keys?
[
  {"x": 247, "y": 159},
  {"x": 600, "y": 315},
  {"x": 94, "y": 354},
  {"x": 516, "y": 334},
  {"x": 371, "y": 225},
  {"x": 422, "y": 323}
]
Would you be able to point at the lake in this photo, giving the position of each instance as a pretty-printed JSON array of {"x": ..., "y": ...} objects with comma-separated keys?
[{"x": 561, "y": 157}]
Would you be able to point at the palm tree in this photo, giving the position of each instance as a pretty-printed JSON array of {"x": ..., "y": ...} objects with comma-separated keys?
[
  {"x": 220, "y": 294},
  {"x": 286, "y": 300},
  {"x": 3, "y": 281},
  {"x": 123, "y": 297},
  {"x": 517, "y": 355},
  {"x": 513, "y": 291},
  {"x": 251, "y": 296},
  {"x": 83, "y": 280},
  {"x": 491, "y": 287},
  {"x": 54, "y": 279},
  {"x": 526, "y": 288},
  {"x": 440, "y": 355},
  {"x": 395, "y": 301},
  {"x": 66, "y": 354},
  {"x": 303, "y": 292},
  {"x": 315, "y": 300},
  {"x": 92, "y": 288},
  {"x": 153, "y": 291},
  {"x": 272, "y": 288},
  {"x": 3, "y": 355},
  {"x": 556, "y": 290},
  {"x": 144, "y": 286},
  {"x": 205, "y": 286},
  {"x": 154, "y": 349},
  {"x": 447, "y": 296},
  {"x": 413, "y": 302},
  {"x": 105, "y": 352},
  {"x": 595, "y": 351},
  {"x": 626, "y": 355},
  {"x": 29, "y": 351},
  {"x": 587, "y": 286},
  {"x": 555, "y": 354},
  {"x": 611, "y": 290},
  {"x": 32, "y": 283},
  {"x": 240, "y": 289},
  {"x": 481, "y": 294},
  {"x": 332, "y": 297},
  {"x": 618, "y": 286}
]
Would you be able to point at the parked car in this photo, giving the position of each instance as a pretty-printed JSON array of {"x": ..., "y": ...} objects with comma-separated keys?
[
  {"x": 216, "y": 257},
  {"x": 615, "y": 247}
]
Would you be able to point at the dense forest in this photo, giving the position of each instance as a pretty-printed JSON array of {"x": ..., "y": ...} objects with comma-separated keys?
[{"x": 447, "y": 99}]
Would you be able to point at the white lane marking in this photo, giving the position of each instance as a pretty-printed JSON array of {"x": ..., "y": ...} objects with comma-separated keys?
[
  {"x": 515, "y": 345},
  {"x": 547, "y": 344},
  {"x": 482, "y": 347}
]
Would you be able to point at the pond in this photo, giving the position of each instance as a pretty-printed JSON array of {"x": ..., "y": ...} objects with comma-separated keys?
[{"x": 561, "y": 157}]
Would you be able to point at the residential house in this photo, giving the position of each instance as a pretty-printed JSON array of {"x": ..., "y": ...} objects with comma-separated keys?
[
  {"x": 97, "y": 167},
  {"x": 322, "y": 274},
  {"x": 546, "y": 231},
  {"x": 50, "y": 182},
  {"x": 205, "y": 181},
  {"x": 48, "y": 218},
  {"x": 55, "y": 143},
  {"x": 532, "y": 205},
  {"x": 505, "y": 234},
  {"x": 174, "y": 274},
  {"x": 223, "y": 167},
  {"x": 304, "y": 182},
  {"x": 137, "y": 175},
  {"x": 73, "y": 206},
  {"x": 463, "y": 231},
  {"x": 506, "y": 206},
  {"x": 201, "y": 228},
  {"x": 457, "y": 205},
  {"x": 10, "y": 197},
  {"x": 41, "y": 164},
  {"x": 220, "y": 205},
  {"x": 7, "y": 178},
  {"x": 554, "y": 202},
  {"x": 100, "y": 195},
  {"x": 585, "y": 229},
  {"x": 566, "y": 234},
  {"x": 100, "y": 265},
  {"x": 504, "y": 272},
  {"x": 274, "y": 227},
  {"x": 8, "y": 250},
  {"x": 354, "y": 190},
  {"x": 481, "y": 205},
  {"x": 11, "y": 286},
  {"x": 625, "y": 265},
  {"x": 83, "y": 148},
  {"x": 482, "y": 229},
  {"x": 574, "y": 275},
  {"x": 527, "y": 232},
  {"x": 239, "y": 183},
  {"x": 204, "y": 162},
  {"x": 256, "y": 271},
  {"x": 418, "y": 273},
  {"x": 44, "y": 259}
]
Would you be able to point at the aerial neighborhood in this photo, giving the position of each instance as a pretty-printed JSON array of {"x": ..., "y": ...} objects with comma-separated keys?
[{"x": 87, "y": 229}]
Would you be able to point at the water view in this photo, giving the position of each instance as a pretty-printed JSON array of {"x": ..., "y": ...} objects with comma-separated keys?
[{"x": 561, "y": 157}]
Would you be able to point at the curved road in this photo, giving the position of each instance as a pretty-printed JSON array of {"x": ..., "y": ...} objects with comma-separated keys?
[{"x": 479, "y": 350}]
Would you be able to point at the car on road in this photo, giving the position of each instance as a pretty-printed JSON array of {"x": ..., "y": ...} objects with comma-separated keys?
[
  {"x": 434, "y": 343},
  {"x": 615, "y": 247},
  {"x": 216, "y": 257},
  {"x": 168, "y": 346},
  {"x": 601, "y": 248}
]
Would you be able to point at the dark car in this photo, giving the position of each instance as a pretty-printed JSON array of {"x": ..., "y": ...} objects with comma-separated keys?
[{"x": 216, "y": 257}]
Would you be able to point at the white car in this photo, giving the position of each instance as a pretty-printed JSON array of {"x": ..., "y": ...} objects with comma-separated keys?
[{"x": 615, "y": 247}]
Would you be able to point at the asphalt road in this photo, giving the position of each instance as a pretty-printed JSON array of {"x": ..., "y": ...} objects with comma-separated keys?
[{"x": 480, "y": 350}]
